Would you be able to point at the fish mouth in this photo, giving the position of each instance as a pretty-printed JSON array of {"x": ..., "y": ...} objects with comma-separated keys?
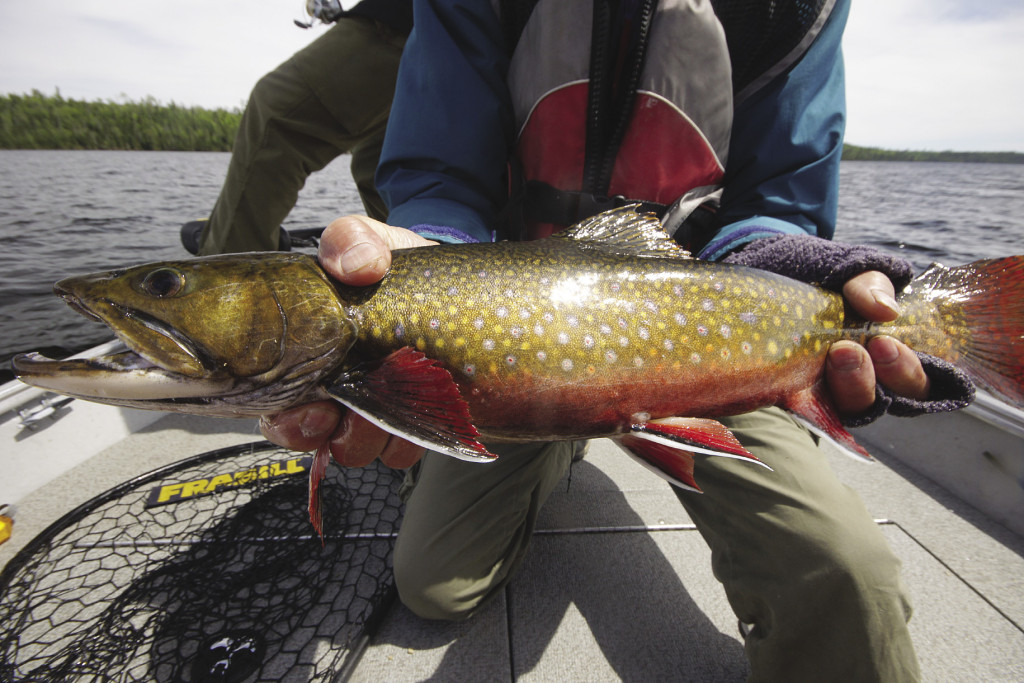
[
  {"x": 160, "y": 363},
  {"x": 124, "y": 377}
]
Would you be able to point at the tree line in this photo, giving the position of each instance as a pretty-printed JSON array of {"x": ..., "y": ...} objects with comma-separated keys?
[
  {"x": 39, "y": 121},
  {"x": 854, "y": 153}
]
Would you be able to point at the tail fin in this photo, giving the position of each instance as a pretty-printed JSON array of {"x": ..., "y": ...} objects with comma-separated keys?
[{"x": 981, "y": 309}]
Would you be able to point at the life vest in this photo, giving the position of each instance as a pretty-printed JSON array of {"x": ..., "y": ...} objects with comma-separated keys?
[{"x": 639, "y": 107}]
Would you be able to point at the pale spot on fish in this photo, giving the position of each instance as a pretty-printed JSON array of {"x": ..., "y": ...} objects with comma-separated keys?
[
  {"x": 488, "y": 344},
  {"x": 567, "y": 364}
]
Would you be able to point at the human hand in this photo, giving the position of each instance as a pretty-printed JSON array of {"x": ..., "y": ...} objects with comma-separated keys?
[
  {"x": 851, "y": 370},
  {"x": 355, "y": 250}
]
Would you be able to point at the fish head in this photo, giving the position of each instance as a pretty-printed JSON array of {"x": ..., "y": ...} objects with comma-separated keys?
[{"x": 241, "y": 334}]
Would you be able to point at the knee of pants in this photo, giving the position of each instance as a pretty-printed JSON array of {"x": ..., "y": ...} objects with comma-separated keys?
[
  {"x": 427, "y": 594},
  {"x": 854, "y": 562}
]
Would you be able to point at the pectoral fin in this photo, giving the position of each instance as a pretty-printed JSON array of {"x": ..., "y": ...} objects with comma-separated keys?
[
  {"x": 317, "y": 472},
  {"x": 666, "y": 447},
  {"x": 412, "y": 396}
]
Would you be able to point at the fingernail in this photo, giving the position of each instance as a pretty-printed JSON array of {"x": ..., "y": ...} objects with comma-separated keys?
[
  {"x": 883, "y": 351},
  {"x": 359, "y": 257},
  {"x": 884, "y": 299},
  {"x": 845, "y": 358}
]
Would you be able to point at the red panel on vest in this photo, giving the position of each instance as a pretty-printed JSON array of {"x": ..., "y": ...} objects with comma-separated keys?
[
  {"x": 662, "y": 151},
  {"x": 552, "y": 145},
  {"x": 662, "y": 155}
]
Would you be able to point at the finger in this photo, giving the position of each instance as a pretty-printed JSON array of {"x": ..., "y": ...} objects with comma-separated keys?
[
  {"x": 353, "y": 251},
  {"x": 303, "y": 428},
  {"x": 400, "y": 454},
  {"x": 898, "y": 368},
  {"x": 872, "y": 296},
  {"x": 358, "y": 442},
  {"x": 850, "y": 378},
  {"x": 357, "y": 249}
]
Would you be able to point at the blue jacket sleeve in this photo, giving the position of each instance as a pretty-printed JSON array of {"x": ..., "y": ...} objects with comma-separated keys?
[
  {"x": 782, "y": 176},
  {"x": 451, "y": 127}
]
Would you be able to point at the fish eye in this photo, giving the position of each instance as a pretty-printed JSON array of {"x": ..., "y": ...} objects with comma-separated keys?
[{"x": 163, "y": 283}]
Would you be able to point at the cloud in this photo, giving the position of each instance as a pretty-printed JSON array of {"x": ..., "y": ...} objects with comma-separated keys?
[
  {"x": 935, "y": 75},
  {"x": 193, "y": 52},
  {"x": 921, "y": 74}
]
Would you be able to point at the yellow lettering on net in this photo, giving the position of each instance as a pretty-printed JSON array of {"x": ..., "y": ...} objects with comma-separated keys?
[
  {"x": 193, "y": 488},
  {"x": 294, "y": 466},
  {"x": 246, "y": 476},
  {"x": 169, "y": 492},
  {"x": 219, "y": 480},
  {"x": 275, "y": 469}
]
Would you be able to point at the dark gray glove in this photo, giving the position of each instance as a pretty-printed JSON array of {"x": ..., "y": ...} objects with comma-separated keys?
[{"x": 830, "y": 264}]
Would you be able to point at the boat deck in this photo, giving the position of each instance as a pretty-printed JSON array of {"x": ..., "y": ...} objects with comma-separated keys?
[{"x": 618, "y": 583}]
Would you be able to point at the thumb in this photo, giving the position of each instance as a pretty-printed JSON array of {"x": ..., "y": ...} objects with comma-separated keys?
[{"x": 353, "y": 251}]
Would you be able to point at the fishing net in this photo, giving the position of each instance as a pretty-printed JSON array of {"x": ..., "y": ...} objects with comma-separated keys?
[{"x": 206, "y": 570}]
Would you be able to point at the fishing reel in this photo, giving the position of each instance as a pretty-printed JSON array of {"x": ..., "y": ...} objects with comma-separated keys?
[{"x": 324, "y": 11}]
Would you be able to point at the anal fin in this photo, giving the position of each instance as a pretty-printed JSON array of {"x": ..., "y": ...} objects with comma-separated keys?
[
  {"x": 814, "y": 409},
  {"x": 666, "y": 447}
]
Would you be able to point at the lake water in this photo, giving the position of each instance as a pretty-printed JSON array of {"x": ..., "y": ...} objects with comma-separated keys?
[{"x": 68, "y": 212}]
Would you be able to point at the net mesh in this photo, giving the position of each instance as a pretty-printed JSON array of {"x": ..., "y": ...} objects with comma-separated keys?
[{"x": 226, "y": 583}]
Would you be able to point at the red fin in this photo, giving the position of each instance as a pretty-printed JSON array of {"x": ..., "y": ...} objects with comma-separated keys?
[
  {"x": 815, "y": 410},
  {"x": 668, "y": 462},
  {"x": 991, "y": 293},
  {"x": 412, "y": 396},
  {"x": 667, "y": 446},
  {"x": 317, "y": 472}
]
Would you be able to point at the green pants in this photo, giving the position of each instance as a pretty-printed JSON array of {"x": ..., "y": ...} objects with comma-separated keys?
[
  {"x": 331, "y": 97},
  {"x": 796, "y": 551}
]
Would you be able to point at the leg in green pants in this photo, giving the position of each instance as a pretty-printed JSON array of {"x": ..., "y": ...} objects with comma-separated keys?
[
  {"x": 798, "y": 554},
  {"x": 801, "y": 559},
  {"x": 332, "y": 97},
  {"x": 467, "y": 525}
]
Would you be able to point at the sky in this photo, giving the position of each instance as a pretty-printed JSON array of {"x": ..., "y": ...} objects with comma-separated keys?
[{"x": 921, "y": 74}]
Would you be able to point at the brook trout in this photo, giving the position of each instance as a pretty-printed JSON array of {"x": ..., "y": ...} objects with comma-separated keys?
[{"x": 608, "y": 329}]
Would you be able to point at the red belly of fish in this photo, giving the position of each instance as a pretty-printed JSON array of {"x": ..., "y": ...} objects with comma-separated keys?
[{"x": 535, "y": 407}]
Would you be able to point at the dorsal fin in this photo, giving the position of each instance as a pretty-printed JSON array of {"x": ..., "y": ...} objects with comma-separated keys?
[{"x": 625, "y": 231}]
